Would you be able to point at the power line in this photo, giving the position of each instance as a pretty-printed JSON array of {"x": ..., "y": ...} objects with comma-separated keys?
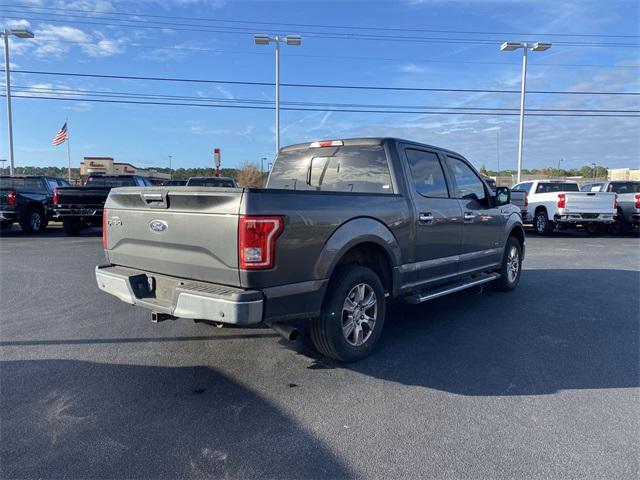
[
  {"x": 112, "y": 94},
  {"x": 253, "y": 107},
  {"x": 314, "y": 34},
  {"x": 334, "y": 57},
  {"x": 332, "y": 86},
  {"x": 348, "y": 27}
]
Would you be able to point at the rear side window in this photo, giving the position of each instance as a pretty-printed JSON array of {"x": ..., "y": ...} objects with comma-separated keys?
[
  {"x": 428, "y": 177},
  {"x": 523, "y": 187},
  {"x": 17, "y": 182},
  {"x": 468, "y": 184},
  {"x": 111, "y": 182},
  {"x": 551, "y": 187},
  {"x": 210, "y": 182},
  {"x": 356, "y": 168},
  {"x": 624, "y": 187}
]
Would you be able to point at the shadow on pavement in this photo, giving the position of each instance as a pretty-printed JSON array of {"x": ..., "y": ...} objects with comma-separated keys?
[
  {"x": 74, "y": 419},
  {"x": 52, "y": 231},
  {"x": 525, "y": 342}
]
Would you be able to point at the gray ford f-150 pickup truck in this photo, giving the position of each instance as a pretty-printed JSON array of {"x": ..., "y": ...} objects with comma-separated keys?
[{"x": 340, "y": 226}]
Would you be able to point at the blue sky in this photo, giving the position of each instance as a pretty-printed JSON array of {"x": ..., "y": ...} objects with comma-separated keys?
[{"x": 85, "y": 36}]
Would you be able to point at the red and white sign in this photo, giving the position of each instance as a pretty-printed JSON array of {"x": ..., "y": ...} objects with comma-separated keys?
[{"x": 216, "y": 157}]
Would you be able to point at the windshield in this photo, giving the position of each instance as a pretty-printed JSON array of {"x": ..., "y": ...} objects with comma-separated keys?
[
  {"x": 358, "y": 168},
  {"x": 624, "y": 187},
  {"x": 557, "y": 187},
  {"x": 111, "y": 182},
  {"x": 211, "y": 182},
  {"x": 8, "y": 182}
]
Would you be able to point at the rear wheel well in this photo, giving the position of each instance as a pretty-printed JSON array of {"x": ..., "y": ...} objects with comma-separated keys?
[
  {"x": 540, "y": 209},
  {"x": 373, "y": 256}
]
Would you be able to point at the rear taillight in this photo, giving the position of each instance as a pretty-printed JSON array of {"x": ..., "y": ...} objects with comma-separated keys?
[
  {"x": 12, "y": 198},
  {"x": 615, "y": 202},
  {"x": 105, "y": 244},
  {"x": 637, "y": 197},
  {"x": 526, "y": 199},
  {"x": 55, "y": 196},
  {"x": 326, "y": 143},
  {"x": 562, "y": 200},
  {"x": 257, "y": 241}
]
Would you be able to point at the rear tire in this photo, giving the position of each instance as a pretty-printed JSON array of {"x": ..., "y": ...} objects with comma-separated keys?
[
  {"x": 511, "y": 267},
  {"x": 620, "y": 226},
  {"x": 34, "y": 221},
  {"x": 72, "y": 227},
  {"x": 352, "y": 315},
  {"x": 542, "y": 224},
  {"x": 594, "y": 229}
]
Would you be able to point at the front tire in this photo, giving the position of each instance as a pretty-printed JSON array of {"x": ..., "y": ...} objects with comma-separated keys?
[
  {"x": 511, "y": 267},
  {"x": 34, "y": 221},
  {"x": 542, "y": 224},
  {"x": 594, "y": 229},
  {"x": 352, "y": 315},
  {"x": 72, "y": 227}
]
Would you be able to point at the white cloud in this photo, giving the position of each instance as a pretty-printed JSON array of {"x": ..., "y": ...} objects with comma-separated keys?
[
  {"x": 22, "y": 23},
  {"x": 412, "y": 68},
  {"x": 226, "y": 93}
]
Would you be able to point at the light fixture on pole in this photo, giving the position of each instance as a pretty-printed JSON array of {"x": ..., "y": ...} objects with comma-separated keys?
[
  {"x": 20, "y": 33},
  {"x": 525, "y": 46},
  {"x": 293, "y": 40}
]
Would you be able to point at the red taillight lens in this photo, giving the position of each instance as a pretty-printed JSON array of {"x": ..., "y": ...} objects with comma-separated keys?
[
  {"x": 11, "y": 198},
  {"x": 526, "y": 199},
  {"x": 55, "y": 196},
  {"x": 105, "y": 244},
  {"x": 637, "y": 197},
  {"x": 562, "y": 200},
  {"x": 256, "y": 241},
  {"x": 615, "y": 202}
]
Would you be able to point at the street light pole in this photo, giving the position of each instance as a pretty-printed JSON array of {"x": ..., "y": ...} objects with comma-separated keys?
[
  {"x": 170, "y": 171},
  {"x": 7, "y": 84},
  {"x": 294, "y": 40},
  {"x": 525, "y": 46}
]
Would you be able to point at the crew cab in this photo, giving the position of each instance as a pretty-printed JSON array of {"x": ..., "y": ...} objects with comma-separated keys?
[
  {"x": 628, "y": 202},
  {"x": 560, "y": 203},
  {"x": 27, "y": 199},
  {"x": 341, "y": 226},
  {"x": 78, "y": 207}
]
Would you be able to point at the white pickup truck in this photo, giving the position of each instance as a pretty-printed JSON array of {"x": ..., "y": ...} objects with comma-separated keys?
[{"x": 548, "y": 204}]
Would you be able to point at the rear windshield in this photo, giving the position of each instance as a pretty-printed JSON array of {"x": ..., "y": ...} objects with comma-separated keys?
[
  {"x": 557, "y": 187},
  {"x": 624, "y": 187},
  {"x": 357, "y": 168},
  {"x": 211, "y": 182},
  {"x": 34, "y": 183},
  {"x": 111, "y": 182}
]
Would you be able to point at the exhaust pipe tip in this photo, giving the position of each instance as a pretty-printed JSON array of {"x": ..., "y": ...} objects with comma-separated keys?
[{"x": 289, "y": 333}]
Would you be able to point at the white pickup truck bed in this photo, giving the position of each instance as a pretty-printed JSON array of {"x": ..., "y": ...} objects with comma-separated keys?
[{"x": 550, "y": 203}]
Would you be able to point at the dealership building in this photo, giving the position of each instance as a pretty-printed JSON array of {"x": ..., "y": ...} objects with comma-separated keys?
[{"x": 107, "y": 166}]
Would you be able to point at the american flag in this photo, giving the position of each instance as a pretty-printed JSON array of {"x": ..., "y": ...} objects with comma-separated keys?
[{"x": 62, "y": 136}]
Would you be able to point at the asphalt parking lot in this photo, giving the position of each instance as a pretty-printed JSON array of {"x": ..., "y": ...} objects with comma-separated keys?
[{"x": 542, "y": 382}]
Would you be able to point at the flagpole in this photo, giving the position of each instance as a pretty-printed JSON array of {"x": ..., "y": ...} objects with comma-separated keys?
[{"x": 68, "y": 151}]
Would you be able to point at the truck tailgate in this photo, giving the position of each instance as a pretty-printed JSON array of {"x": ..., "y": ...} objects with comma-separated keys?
[
  {"x": 589, "y": 202},
  {"x": 186, "y": 232},
  {"x": 82, "y": 195}
]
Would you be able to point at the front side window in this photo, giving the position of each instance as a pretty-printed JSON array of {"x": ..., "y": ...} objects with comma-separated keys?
[
  {"x": 468, "y": 184},
  {"x": 624, "y": 187},
  {"x": 428, "y": 177},
  {"x": 351, "y": 168}
]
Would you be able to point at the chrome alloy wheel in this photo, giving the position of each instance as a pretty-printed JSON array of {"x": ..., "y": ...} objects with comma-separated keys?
[
  {"x": 359, "y": 314},
  {"x": 513, "y": 264},
  {"x": 35, "y": 221}
]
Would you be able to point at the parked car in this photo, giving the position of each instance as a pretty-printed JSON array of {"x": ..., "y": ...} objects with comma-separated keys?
[
  {"x": 174, "y": 183},
  {"x": 78, "y": 207},
  {"x": 560, "y": 203},
  {"x": 27, "y": 199},
  {"x": 628, "y": 202},
  {"x": 340, "y": 226},
  {"x": 211, "y": 182}
]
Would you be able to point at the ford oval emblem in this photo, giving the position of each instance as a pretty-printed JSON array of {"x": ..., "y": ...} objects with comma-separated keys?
[{"x": 158, "y": 226}]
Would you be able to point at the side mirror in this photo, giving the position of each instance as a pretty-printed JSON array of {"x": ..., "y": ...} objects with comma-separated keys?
[{"x": 503, "y": 196}]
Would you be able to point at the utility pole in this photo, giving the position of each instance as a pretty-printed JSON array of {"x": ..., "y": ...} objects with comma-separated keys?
[{"x": 170, "y": 170}]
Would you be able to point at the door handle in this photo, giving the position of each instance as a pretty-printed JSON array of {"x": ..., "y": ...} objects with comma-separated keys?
[
  {"x": 425, "y": 217},
  {"x": 468, "y": 217}
]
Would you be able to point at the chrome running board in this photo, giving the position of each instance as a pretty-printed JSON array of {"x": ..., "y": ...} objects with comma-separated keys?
[{"x": 452, "y": 288}]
